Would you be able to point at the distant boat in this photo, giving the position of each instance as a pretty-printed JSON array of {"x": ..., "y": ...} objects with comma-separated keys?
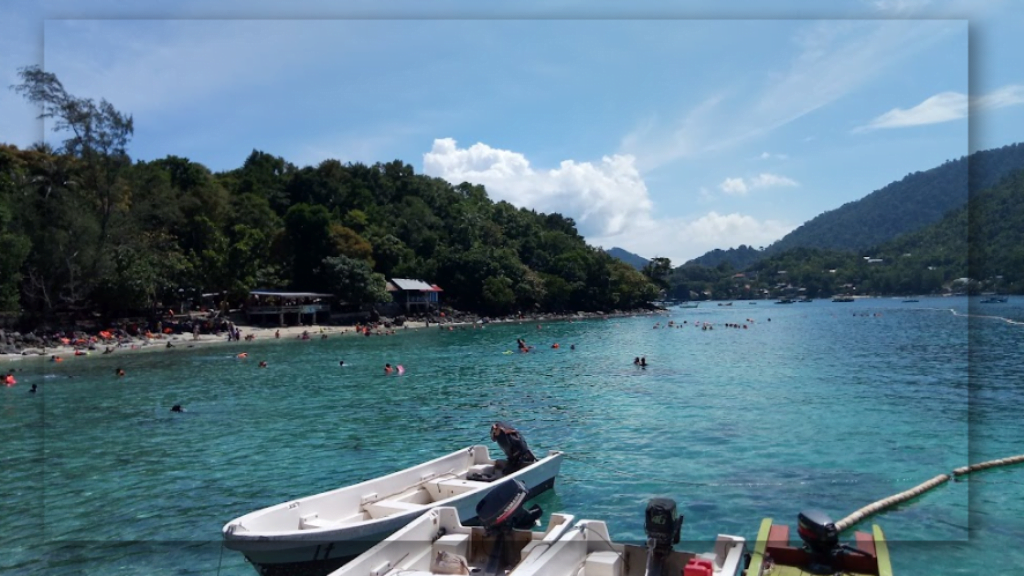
[
  {"x": 786, "y": 301},
  {"x": 687, "y": 305},
  {"x": 843, "y": 298},
  {"x": 994, "y": 300},
  {"x": 911, "y": 300},
  {"x": 805, "y": 300}
]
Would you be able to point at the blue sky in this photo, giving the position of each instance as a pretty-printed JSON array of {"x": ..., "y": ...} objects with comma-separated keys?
[{"x": 665, "y": 129}]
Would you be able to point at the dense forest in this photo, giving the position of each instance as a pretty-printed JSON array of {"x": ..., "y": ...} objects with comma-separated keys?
[
  {"x": 977, "y": 247},
  {"x": 919, "y": 199},
  {"x": 86, "y": 229}
]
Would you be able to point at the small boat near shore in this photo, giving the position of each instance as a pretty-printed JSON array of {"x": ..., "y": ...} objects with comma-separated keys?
[
  {"x": 589, "y": 549},
  {"x": 995, "y": 300},
  {"x": 821, "y": 552},
  {"x": 843, "y": 298},
  {"x": 316, "y": 534},
  {"x": 439, "y": 543}
]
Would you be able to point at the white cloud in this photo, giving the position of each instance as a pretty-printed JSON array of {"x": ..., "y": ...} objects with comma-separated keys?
[
  {"x": 733, "y": 186},
  {"x": 831, "y": 59},
  {"x": 601, "y": 197},
  {"x": 739, "y": 186},
  {"x": 939, "y": 108},
  {"x": 682, "y": 239},
  {"x": 608, "y": 200},
  {"x": 769, "y": 155},
  {"x": 945, "y": 107},
  {"x": 1006, "y": 96}
]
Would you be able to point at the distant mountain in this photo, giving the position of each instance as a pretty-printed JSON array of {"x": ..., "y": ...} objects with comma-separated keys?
[
  {"x": 982, "y": 240},
  {"x": 919, "y": 199},
  {"x": 628, "y": 257},
  {"x": 739, "y": 258}
]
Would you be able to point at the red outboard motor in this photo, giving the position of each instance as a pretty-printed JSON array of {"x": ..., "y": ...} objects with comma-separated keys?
[{"x": 513, "y": 445}]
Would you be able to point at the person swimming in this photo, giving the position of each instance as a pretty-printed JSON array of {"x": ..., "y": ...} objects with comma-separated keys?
[
  {"x": 387, "y": 369},
  {"x": 643, "y": 362},
  {"x": 33, "y": 390},
  {"x": 177, "y": 408},
  {"x": 341, "y": 363},
  {"x": 119, "y": 372},
  {"x": 636, "y": 361},
  {"x": 263, "y": 364}
]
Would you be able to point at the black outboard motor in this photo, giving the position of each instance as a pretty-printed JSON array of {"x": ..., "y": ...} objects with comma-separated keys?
[
  {"x": 513, "y": 445},
  {"x": 818, "y": 532},
  {"x": 500, "y": 512},
  {"x": 662, "y": 524}
]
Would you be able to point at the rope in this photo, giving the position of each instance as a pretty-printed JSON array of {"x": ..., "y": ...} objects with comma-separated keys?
[
  {"x": 221, "y": 560},
  {"x": 916, "y": 491}
]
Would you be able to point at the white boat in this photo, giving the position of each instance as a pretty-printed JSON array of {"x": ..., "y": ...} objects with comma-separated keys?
[
  {"x": 316, "y": 534},
  {"x": 588, "y": 549},
  {"x": 438, "y": 543}
]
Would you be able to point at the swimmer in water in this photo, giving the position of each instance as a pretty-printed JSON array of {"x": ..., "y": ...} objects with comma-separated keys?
[
  {"x": 636, "y": 361},
  {"x": 33, "y": 390},
  {"x": 263, "y": 363},
  {"x": 387, "y": 369},
  {"x": 177, "y": 408},
  {"x": 341, "y": 363},
  {"x": 119, "y": 372}
]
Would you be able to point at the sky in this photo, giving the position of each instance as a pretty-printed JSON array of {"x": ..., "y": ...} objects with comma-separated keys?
[{"x": 666, "y": 129}]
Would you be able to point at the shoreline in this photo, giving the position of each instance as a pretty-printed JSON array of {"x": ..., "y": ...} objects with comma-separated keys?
[{"x": 262, "y": 334}]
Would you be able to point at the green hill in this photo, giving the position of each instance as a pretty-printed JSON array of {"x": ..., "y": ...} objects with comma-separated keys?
[
  {"x": 919, "y": 199},
  {"x": 634, "y": 260}
]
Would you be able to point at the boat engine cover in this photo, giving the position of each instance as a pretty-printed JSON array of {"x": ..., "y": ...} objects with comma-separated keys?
[
  {"x": 662, "y": 522},
  {"x": 502, "y": 508},
  {"x": 817, "y": 530}
]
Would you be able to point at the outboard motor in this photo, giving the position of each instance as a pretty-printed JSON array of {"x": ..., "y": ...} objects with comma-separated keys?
[
  {"x": 513, "y": 445},
  {"x": 500, "y": 512},
  {"x": 817, "y": 531},
  {"x": 662, "y": 524},
  {"x": 821, "y": 540}
]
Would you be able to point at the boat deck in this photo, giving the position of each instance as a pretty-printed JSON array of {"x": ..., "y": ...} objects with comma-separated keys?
[{"x": 774, "y": 555}]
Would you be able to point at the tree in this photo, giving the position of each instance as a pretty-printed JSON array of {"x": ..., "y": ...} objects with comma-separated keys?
[{"x": 354, "y": 282}]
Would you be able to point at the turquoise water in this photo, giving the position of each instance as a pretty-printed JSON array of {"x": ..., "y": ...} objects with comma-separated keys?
[{"x": 826, "y": 405}]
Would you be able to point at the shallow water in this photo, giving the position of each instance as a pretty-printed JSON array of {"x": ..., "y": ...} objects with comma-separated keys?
[{"x": 825, "y": 405}]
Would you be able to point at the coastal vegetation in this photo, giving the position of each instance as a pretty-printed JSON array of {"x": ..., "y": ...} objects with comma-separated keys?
[{"x": 87, "y": 230}]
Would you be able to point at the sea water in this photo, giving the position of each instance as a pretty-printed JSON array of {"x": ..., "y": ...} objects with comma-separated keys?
[{"x": 811, "y": 405}]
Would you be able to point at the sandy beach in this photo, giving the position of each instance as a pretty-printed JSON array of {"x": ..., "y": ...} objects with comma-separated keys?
[{"x": 262, "y": 333}]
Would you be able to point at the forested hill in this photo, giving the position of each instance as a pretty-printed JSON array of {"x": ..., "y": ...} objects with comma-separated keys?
[
  {"x": 919, "y": 199},
  {"x": 634, "y": 260},
  {"x": 739, "y": 258},
  {"x": 983, "y": 240},
  {"x": 86, "y": 231}
]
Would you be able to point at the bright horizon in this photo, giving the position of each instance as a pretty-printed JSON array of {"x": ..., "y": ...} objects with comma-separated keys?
[{"x": 718, "y": 126}]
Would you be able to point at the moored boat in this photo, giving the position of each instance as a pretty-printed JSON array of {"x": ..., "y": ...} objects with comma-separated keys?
[
  {"x": 438, "y": 543},
  {"x": 821, "y": 552},
  {"x": 843, "y": 298},
  {"x": 316, "y": 534},
  {"x": 994, "y": 300},
  {"x": 589, "y": 549}
]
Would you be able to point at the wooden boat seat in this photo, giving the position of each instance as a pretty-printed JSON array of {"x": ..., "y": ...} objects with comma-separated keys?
[{"x": 384, "y": 508}]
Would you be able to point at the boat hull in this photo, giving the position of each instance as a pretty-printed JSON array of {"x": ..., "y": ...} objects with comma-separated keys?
[{"x": 322, "y": 552}]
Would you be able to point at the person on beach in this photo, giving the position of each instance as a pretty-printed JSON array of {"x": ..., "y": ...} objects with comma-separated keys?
[{"x": 277, "y": 334}]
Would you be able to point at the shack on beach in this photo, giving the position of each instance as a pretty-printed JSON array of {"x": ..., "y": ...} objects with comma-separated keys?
[
  {"x": 275, "y": 307},
  {"x": 414, "y": 295}
]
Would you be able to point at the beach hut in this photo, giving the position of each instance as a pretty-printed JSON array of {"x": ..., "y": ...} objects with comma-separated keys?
[
  {"x": 287, "y": 308},
  {"x": 414, "y": 295}
]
